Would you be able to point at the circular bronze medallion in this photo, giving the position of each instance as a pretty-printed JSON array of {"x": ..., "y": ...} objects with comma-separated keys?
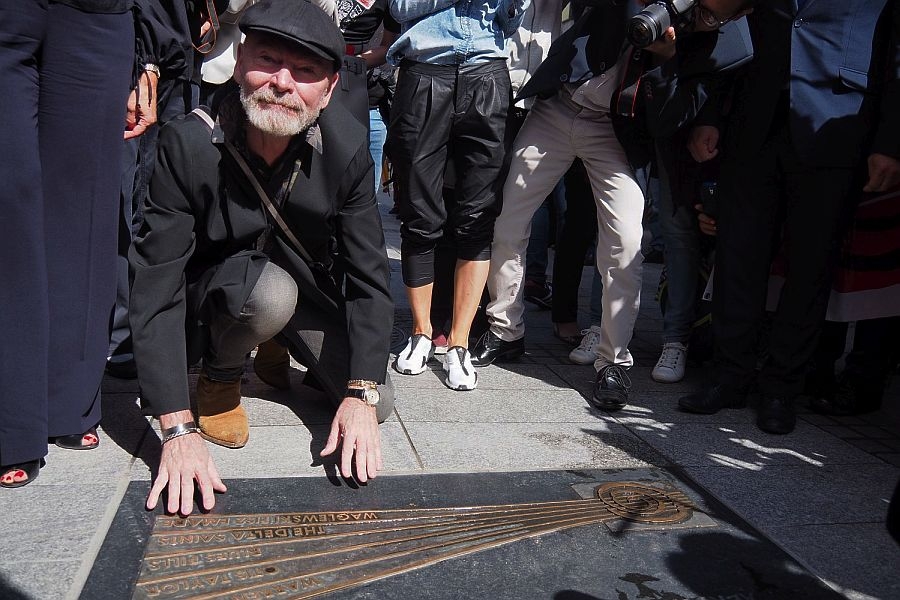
[{"x": 642, "y": 503}]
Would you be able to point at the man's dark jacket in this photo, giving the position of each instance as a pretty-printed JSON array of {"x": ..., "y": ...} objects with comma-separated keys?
[
  {"x": 840, "y": 62},
  {"x": 665, "y": 97},
  {"x": 195, "y": 250}
]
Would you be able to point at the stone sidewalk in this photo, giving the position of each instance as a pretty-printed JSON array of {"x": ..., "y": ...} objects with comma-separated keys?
[{"x": 821, "y": 493}]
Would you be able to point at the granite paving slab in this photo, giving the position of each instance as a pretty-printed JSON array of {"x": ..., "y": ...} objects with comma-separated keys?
[
  {"x": 51, "y": 522},
  {"x": 521, "y": 446},
  {"x": 744, "y": 446},
  {"x": 488, "y": 406},
  {"x": 784, "y": 495},
  {"x": 859, "y": 559},
  {"x": 36, "y": 580}
]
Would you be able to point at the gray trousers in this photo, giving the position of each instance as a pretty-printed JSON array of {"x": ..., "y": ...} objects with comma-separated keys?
[{"x": 315, "y": 338}]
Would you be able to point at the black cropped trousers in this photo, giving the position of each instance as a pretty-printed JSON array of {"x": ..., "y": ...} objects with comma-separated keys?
[{"x": 442, "y": 114}]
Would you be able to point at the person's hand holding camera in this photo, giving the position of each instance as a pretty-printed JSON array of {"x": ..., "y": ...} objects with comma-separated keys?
[{"x": 664, "y": 47}]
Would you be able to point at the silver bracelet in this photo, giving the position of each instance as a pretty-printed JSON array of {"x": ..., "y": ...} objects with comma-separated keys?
[{"x": 178, "y": 430}]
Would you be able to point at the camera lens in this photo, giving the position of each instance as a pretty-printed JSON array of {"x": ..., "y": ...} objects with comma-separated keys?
[
  {"x": 648, "y": 25},
  {"x": 641, "y": 31}
]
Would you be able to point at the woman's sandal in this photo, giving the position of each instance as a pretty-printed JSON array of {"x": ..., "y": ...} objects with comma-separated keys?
[
  {"x": 28, "y": 469},
  {"x": 77, "y": 441},
  {"x": 572, "y": 340}
]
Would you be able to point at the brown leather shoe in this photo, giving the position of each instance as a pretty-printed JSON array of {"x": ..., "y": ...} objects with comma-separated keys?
[
  {"x": 272, "y": 365},
  {"x": 221, "y": 417}
]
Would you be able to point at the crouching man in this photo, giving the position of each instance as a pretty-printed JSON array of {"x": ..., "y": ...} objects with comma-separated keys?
[{"x": 261, "y": 223}]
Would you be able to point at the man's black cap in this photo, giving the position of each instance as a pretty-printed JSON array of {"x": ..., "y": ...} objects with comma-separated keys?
[{"x": 300, "y": 22}]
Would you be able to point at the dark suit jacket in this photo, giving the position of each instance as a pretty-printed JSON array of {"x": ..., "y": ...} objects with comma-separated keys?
[
  {"x": 195, "y": 250},
  {"x": 840, "y": 61},
  {"x": 665, "y": 98}
]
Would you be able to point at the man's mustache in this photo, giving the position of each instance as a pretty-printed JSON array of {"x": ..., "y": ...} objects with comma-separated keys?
[{"x": 269, "y": 97}]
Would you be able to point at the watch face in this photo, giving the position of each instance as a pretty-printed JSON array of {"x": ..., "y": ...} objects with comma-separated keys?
[{"x": 372, "y": 397}]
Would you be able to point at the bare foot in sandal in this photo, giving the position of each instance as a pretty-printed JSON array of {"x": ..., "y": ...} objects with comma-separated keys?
[
  {"x": 85, "y": 441},
  {"x": 21, "y": 474}
]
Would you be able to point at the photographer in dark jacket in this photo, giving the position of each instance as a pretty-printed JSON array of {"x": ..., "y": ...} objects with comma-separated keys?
[
  {"x": 602, "y": 101},
  {"x": 215, "y": 273}
]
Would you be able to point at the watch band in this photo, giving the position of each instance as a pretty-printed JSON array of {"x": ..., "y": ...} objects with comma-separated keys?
[
  {"x": 362, "y": 383},
  {"x": 369, "y": 395}
]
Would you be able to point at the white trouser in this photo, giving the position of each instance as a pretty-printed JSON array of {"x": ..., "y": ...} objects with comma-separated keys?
[{"x": 554, "y": 134}]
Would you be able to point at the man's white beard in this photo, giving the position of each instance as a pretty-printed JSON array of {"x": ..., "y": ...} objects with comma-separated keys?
[{"x": 276, "y": 115}]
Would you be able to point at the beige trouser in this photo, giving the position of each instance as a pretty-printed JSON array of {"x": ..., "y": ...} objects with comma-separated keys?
[{"x": 554, "y": 134}]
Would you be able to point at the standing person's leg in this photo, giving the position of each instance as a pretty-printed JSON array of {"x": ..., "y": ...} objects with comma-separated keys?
[
  {"x": 749, "y": 194},
  {"x": 479, "y": 146},
  {"x": 579, "y": 231},
  {"x": 537, "y": 290},
  {"x": 620, "y": 207},
  {"x": 23, "y": 268},
  {"x": 120, "y": 360},
  {"x": 542, "y": 152},
  {"x": 81, "y": 192},
  {"x": 419, "y": 132},
  {"x": 818, "y": 207},
  {"x": 680, "y": 236},
  {"x": 868, "y": 368}
]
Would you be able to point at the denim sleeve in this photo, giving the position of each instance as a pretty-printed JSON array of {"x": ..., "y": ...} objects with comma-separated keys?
[
  {"x": 409, "y": 10},
  {"x": 510, "y": 14}
]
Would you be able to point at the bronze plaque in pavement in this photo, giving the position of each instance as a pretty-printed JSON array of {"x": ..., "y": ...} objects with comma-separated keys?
[{"x": 306, "y": 554}]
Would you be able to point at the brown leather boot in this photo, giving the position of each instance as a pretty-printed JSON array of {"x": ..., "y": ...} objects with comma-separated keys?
[
  {"x": 272, "y": 365},
  {"x": 221, "y": 417}
]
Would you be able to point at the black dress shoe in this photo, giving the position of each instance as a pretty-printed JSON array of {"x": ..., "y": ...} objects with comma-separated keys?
[
  {"x": 712, "y": 400},
  {"x": 611, "y": 388},
  {"x": 853, "y": 395},
  {"x": 776, "y": 415},
  {"x": 490, "y": 348}
]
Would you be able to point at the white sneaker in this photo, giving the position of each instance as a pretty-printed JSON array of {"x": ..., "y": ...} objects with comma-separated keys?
[
  {"x": 588, "y": 350},
  {"x": 670, "y": 366},
  {"x": 412, "y": 360},
  {"x": 461, "y": 375}
]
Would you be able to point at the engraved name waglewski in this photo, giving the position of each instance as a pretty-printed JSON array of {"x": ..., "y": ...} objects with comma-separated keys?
[{"x": 303, "y": 555}]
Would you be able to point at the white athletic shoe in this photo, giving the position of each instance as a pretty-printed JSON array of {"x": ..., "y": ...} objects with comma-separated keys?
[
  {"x": 670, "y": 366},
  {"x": 589, "y": 349},
  {"x": 413, "y": 358},
  {"x": 461, "y": 375}
]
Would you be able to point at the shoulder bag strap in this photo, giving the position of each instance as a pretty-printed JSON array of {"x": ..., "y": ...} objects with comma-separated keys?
[{"x": 270, "y": 206}]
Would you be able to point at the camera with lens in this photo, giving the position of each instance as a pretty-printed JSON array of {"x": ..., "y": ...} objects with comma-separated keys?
[{"x": 649, "y": 25}]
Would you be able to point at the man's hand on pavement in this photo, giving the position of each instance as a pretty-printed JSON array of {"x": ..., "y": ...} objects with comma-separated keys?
[
  {"x": 184, "y": 460},
  {"x": 355, "y": 429}
]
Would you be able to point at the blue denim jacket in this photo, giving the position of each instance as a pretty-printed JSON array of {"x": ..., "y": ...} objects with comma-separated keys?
[{"x": 454, "y": 31}]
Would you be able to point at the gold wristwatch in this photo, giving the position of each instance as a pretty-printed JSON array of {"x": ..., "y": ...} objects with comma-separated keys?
[{"x": 367, "y": 391}]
